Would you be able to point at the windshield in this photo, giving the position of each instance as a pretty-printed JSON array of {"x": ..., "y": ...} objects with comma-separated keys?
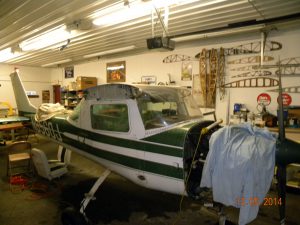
[
  {"x": 74, "y": 116},
  {"x": 163, "y": 106}
]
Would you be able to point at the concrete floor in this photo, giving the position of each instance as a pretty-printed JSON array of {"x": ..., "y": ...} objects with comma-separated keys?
[{"x": 119, "y": 202}]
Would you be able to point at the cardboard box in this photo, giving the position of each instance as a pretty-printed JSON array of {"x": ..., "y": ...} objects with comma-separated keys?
[
  {"x": 294, "y": 112},
  {"x": 85, "y": 82},
  {"x": 72, "y": 86}
]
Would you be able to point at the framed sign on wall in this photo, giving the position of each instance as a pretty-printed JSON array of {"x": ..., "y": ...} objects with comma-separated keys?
[
  {"x": 116, "y": 72},
  {"x": 69, "y": 72},
  {"x": 186, "y": 71}
]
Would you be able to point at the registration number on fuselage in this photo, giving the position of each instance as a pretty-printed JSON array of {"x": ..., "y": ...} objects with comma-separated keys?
[{"x": 47, "y": 128}]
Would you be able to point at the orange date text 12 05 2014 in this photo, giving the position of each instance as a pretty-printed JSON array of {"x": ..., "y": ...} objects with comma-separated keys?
[{"x": 255, "y": 201}]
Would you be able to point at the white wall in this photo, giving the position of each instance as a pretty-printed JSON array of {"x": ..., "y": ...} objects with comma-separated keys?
[
  {"x": 34, "y": 79},
  {"x": 136, "y": 66},
  {"x": 248, "y": 96},
  {"x": 151, "y": 64}
]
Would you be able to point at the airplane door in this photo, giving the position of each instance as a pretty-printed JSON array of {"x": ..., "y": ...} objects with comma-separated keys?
[
  {"x": 137, "y": 133},
  {"x": 113, "y": 123}
]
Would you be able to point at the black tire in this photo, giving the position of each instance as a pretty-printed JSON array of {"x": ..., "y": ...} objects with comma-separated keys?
[
  {"x": 71, "y": 216},
  {"x": 227, "y": 222}
]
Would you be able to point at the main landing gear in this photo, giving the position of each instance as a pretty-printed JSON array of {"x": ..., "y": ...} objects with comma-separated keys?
[{"x": 71, "y": 216}]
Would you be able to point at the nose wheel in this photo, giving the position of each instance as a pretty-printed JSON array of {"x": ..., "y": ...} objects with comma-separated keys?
[{"x": 71, "y": 216}]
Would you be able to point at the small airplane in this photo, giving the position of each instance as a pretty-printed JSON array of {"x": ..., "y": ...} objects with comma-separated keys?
[{"x": 147, "y": 134}]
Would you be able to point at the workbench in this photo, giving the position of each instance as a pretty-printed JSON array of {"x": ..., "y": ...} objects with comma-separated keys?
[
  {"x": 290, "y": 133},
  {"x": 12, "y": 127}
]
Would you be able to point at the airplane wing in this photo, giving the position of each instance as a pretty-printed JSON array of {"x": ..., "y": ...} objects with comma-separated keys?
[{"x": 14, "y": 119}]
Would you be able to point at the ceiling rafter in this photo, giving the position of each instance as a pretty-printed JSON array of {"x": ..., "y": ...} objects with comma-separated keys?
[{"x": 20, "y": 20}]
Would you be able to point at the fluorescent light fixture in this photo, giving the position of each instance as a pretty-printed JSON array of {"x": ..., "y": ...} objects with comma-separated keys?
[
  {"x": 116, "y": 67},
  {"x": 57, "y": 63},
  {"x": 7, "y": 54},
  {"x": 124, "y": 14},
  {"x": 167, "y": 3},
  {"x": 49, "y": 38},
  {"x": 123, "y": 49},
  {"x": 119, "y": 13},
  {"x": 218, "y": 33}
]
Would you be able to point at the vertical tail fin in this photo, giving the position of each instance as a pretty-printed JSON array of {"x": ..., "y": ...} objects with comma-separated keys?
[{"x": 23, "y": 103}]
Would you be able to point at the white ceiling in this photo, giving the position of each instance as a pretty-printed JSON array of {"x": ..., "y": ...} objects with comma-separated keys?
[{"x": 23, "y": 19}]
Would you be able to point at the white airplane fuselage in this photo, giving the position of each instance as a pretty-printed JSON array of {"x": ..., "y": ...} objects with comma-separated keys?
[
  {"x": 147, "y": 163},
  {"x": 146, "y": 134}
]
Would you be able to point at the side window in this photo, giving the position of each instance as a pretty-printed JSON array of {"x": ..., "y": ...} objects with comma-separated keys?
[{"x": 110, "y": 117}]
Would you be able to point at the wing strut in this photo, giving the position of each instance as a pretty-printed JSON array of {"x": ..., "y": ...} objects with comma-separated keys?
[
  {"x": 72, "y": 217},
  {"x": 90, "y": 196}
]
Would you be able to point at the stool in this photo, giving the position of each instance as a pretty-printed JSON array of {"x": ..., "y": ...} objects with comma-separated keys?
[{"x": 18, "y": 157}]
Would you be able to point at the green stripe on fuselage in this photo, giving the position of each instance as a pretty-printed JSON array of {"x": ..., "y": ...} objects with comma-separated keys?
[
  {"x": 155, "y": 144},
  {"x": 143, "y": 165},
  {"x": 153, "y": 147}
]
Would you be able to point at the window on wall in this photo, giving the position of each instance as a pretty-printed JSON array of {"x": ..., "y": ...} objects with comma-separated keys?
[{"x": 110, "y": 117}]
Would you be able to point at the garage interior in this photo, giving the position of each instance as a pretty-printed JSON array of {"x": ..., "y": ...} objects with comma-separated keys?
[{"x": 235, "y": 58}]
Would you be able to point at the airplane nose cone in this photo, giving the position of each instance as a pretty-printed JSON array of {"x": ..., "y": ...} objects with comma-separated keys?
[{"x": 288, "y": 152}]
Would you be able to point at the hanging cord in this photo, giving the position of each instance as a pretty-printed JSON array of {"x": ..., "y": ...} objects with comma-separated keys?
[{"x": 203, "y": 132}]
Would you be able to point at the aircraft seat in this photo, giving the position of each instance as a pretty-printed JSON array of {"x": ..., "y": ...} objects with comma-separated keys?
[{"x": 44, "y": 168}]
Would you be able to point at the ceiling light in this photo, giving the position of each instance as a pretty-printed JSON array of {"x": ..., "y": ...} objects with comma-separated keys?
[
  {"x": 123, "y": 49},
  {"x": 7, "y": 54},
  {"x": 218, "y": 33},
  {"x": 57, "y": 63},
  {"x": 164, "y": 3},
  {"x": 49, "y": 38},
  {"x": 124, "y": 14},
  {"x": 116, "y": 67},
  {"x": 119, "y": 14}
]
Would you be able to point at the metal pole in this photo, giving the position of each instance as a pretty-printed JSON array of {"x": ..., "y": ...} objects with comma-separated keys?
[
  {"x": 166, "y": 21},
  {"x": 152, "y": 22},
  {"x": 280, "y": 104},
  {"x": 262, "y": 48},
  {"x": 281, "y": 169},
  {"x": 161, "y": 21}
]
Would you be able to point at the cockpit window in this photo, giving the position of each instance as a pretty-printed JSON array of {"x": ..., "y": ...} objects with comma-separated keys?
[
  {"x": 166, "y": 106},
  {"x": 110, "y": 117}
]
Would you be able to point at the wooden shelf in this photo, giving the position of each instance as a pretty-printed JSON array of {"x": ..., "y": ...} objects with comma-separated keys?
[
  {"x": 290, "y": 133},
  {"x": 287, "y": 129},
  {"x": 70, "y": 98}
]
